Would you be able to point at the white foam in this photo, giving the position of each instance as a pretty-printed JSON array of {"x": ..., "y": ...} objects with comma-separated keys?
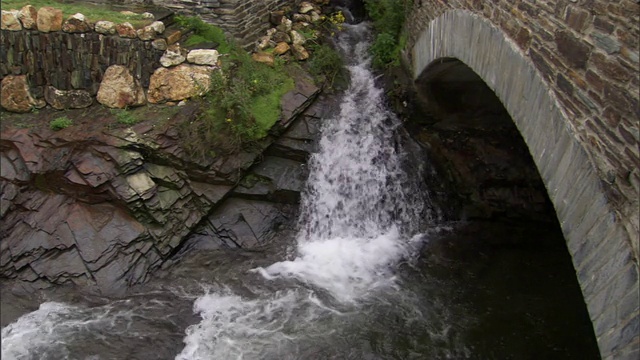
[
  {"x": 35, "y": 331},
  {"x": 355, "y": 219},
  {"x": 346, "y": 267}
]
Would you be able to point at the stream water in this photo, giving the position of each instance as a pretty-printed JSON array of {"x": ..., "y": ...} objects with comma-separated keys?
[{"x": 371, "y": 273}]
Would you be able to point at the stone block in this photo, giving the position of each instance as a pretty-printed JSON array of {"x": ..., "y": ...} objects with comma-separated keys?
[
  {"x": 574, "y": 51},
  {"x": 49, "y": 19}
]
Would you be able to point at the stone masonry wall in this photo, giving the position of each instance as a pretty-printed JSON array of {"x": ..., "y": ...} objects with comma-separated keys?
[
  {"x": 73, "y": 61},
  {"x": 246, "y": 20},
  {"x": 587, "y": 52}
]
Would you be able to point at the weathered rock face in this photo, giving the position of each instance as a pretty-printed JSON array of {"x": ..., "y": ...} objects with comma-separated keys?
[
  {"x": 104, "y": 208},
  {"x": 174, "y": 55},
  {"x": 15, "y": 95},
  {"x": 49, "y": 19},
  {"x": 299, "y": 52},
  {"x": 76, "y": 24},
  {"x": 266, "y": 198},
  {"x": 9, "y": 21},
  {"x": 263, "y": 57},
  {"x": 67, "y": 99},
  {"x": 105, "y": 27},
  {"x": 28, "y": 16},
  {"x": 178, "y": 83},
  {"x": 281, "y": 48},
  {"x": 203, "y": 57},
  {"x": 126, "y": 30},
  {"x": 119, "y": 89}
]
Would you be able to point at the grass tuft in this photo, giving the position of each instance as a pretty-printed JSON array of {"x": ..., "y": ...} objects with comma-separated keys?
[
  {"x": 93, "y": 12},
  {"x": 60, "y": 123}
]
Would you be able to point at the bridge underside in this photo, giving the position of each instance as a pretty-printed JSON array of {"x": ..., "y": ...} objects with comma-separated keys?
[{"x": 599, "y": 244}]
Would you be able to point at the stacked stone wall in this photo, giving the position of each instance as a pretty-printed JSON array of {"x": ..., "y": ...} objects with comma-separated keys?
[
  {"x": 245, "y": 20},
  {"x": 73, "y": 61}
]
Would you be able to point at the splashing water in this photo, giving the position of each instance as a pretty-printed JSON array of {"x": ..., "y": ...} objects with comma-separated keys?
[{"x": 356, "y": 224}]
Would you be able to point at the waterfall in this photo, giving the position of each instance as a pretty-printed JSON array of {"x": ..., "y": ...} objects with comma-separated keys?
[{"x": 358, "y": 219}]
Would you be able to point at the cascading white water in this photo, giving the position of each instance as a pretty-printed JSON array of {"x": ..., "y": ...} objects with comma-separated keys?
[{"x": 356, "y": 225}]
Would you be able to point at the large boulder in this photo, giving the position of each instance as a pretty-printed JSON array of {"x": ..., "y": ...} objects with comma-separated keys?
[
  {"x": 10, "y": 21},
  {"x": 263, "y": 57},
  {"x": 49, "y": 19},
  {"x": 179, "y": 83},
  {"x": 126, "y": 30},
  {"x": 105, "y": 27},
  {"x": 305, "y": 7},
  {"x": 281, "y": 48},
  {"x": 203, "y": 57},
  {"x": 119, "y": 89},
  {"x": 15, "y": 95},
  {"x": 297, "y": 38},
  {"x": 146, "y": 33},
  {"x": 158, "y": 27},
  {"x": 280, "y": 36},
  {"x": 159, "y": 44},
  {"x": 28, "y": 16},
  {"x": 299, "y": 52},
  {"x": 275, "y": 17},
  {"x": 67, "y": 99},
  {"x": 174, "y": 55},
  {"x": 76, "y": 23}
]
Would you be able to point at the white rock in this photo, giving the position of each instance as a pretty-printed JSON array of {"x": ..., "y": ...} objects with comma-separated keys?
[
  {"x": 105, "y": 27},
  {"x": 78, "y": 16},
  {"x": 157, "y": 26},
  {"x": 174, "y": 55},
  {"x": 141, "y": 183},
  {"x": 305, "y": 7},
  {"x": 297, "y": 38},
  {"x": 10, "y": 21},
  {"x": 203, "y": 57},
  {"x": 287, "y": 24},
  {"x": 315, "y": 17},
  {"x": 148, "y": 15},
  {"x": 28, "y": 15}
]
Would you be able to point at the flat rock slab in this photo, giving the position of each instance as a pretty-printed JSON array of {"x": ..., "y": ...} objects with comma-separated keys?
[
  {"x": 242, "y": 223},
  {"x": 274, "y": 179}
]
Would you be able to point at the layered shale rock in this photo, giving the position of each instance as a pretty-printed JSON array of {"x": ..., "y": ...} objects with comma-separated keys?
[{"x": 102, "y": 208}]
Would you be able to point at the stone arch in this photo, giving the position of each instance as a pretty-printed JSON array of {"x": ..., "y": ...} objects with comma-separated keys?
[{"x": 598, "y": 242}]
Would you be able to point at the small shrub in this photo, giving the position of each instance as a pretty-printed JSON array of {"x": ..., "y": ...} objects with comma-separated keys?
[
  {"x": 203, "y": 32},
  {"x": 243, "y": 104},
  {"x": 125, "y": 117},
  {"x": 326, "y": 64},
  {"x": 388, "y": 20},
  {"x": 60, "y": 123}
]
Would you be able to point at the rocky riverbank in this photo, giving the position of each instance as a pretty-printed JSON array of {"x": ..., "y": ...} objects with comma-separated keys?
[{"x": 101, "y": 205}]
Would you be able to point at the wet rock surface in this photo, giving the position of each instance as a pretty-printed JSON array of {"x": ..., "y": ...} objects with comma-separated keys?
[
  {"x": 264, "y": 204},
  {"x": 103, "y": 206}
]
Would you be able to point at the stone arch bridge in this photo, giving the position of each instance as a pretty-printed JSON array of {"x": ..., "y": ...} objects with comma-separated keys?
[{"x": 568, "y": 74}]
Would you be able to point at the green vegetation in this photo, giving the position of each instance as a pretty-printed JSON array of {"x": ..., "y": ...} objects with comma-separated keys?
[
  {"x": 60, "y": 123},
  {"x": 93, "y": 12},
  {"x": 203, "y": 32},
  {"x": 388, "y": 20},
  {"x": 326, "y": 65},
  {"x": 243, "y": 104},
  {"x": 125, "y": 117}
]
